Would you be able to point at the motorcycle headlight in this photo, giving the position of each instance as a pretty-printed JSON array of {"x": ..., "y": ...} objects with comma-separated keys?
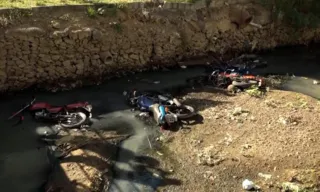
[{"x": 89, "y": 107}]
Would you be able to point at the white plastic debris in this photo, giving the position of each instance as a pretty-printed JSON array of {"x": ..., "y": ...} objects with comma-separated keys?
[
  {"x": 265, "y": 176},
  {"x": 183, "y": 66},
  {"x": 156, "y": 82},
  {"x": 315, "y": 82},
  {"x": 143, "y": 114},
  {"x": 248, "y": 185},
  {"x": 159, "y": 153}
]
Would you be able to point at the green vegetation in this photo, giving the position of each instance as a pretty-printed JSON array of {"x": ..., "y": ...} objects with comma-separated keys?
[
  {"x": 91, "y": 11},
  {"x": 34, "y": 3},
  {"x": 297, "y": 13}
]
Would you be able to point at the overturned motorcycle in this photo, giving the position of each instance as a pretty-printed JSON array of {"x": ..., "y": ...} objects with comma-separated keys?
[
  {"x": 68, "y": 116},
  {"x": 241, "y": 85},
  {"x": 164, "y": 108}
]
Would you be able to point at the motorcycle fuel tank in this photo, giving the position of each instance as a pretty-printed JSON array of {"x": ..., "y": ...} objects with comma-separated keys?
[{"x": 40, "y": 105}]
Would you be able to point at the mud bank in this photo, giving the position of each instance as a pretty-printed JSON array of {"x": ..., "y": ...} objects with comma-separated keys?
[{"x": 52, "y": 44}]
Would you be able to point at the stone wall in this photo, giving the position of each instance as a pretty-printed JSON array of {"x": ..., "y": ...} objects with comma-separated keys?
[{"x": 48, "y": 45}]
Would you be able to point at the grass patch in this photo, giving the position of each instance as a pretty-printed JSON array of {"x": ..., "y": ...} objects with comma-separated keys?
[
  {"x": 254, "y": 91},
  {"x": 34, "y": 3},
  {"x": 297, "y": 13},
  {"x": 92, "y": 12},
  {"x": 14, "y": 14}
]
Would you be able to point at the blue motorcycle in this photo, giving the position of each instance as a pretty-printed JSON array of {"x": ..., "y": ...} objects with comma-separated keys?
[{"x": 164, "y": 107}]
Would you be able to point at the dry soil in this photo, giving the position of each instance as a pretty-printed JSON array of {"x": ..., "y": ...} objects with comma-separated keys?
[{"x": 269, "y": 140}]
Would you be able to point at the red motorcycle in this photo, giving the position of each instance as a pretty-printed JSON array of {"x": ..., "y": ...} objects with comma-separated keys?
[{"x": 68, "y": 116}]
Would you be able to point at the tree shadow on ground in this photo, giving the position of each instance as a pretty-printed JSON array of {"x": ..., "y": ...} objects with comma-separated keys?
[
  {"x": 106, "y": 109},
  {"x": 145, "y": 170}
]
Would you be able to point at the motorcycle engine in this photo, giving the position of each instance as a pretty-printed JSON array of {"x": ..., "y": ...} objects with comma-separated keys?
[
  {"x": 170, "y": 118},
  {"x": 40, "y": 114}
]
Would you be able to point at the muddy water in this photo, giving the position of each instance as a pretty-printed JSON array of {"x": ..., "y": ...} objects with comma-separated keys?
[{"x": 24, "y": 165}]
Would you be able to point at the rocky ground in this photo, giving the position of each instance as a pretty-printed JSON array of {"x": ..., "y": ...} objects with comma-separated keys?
[{"x": 271, "y": 141}]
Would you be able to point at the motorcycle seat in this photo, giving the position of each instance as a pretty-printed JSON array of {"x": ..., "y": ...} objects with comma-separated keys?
[{"x": 55, "y": 109}]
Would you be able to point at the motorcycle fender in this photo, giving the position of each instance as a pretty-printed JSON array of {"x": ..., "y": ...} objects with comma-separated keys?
[{"x": 85, "y": 109}]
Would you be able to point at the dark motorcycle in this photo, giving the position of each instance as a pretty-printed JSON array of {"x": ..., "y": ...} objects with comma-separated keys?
[
  {"x": 68, "y": 116},
  {"x": 222, "y": 74},
  {"x": 152, "y": 101}
]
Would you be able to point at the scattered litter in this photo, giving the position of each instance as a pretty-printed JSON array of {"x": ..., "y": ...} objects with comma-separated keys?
[
  {"x": 256, "y": 25},
  {"x": 252, "y": 118},
  {"x": 265, "y": 176},
  {"x": 237, "y": 111},
  {"x": 156, "y": 82},
  {"x": 288, "y": 186},
  {"x": 282, "y": 120},
  {"x": 144, "y": 114},
  {"x": 101, "y": 11},
  {"x": 149, "y": 142},
  {"x": 249, "y": 185},
  {"x": 183, "y": 66},
  {"x": 156, "y": 175},
  {"x": 161, "y": 138},
  {"x": 315, "y": 82},
  {"x": 171, "y": 170},
  {"x": 158, "y": 152},
  {"x": 228, "y": 140}
]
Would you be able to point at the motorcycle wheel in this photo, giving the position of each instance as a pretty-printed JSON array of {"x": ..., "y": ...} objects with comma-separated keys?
[
  {"x": 183, "y": 111},
  {"x": 78, "y": 118}
]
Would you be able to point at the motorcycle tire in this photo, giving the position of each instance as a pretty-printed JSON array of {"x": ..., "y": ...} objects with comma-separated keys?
[
  {"x": 77, "y": 124},
  {"x": 190, "y": 112}
]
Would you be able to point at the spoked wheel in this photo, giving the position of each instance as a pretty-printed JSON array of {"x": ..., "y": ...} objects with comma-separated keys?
[
  {"x": 75, "y": 120},
  {"x": 183, "y": 111}
]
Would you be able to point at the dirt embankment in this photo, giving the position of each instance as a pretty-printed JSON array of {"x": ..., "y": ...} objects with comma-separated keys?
[
  {"x": 47, "y": 45},
  {"x": 271, "y": 141}
]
